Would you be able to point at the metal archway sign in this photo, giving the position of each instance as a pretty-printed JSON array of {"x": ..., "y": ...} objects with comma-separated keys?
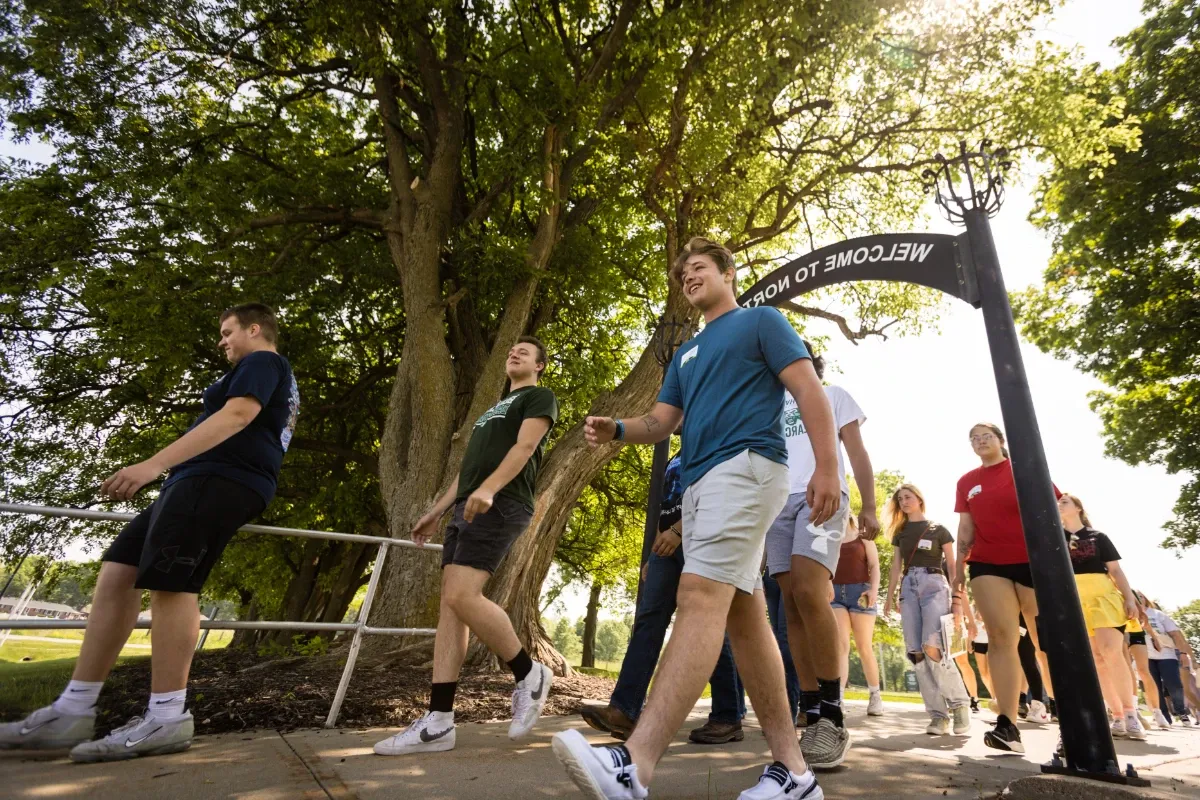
[{"x": 937, "y": 260}]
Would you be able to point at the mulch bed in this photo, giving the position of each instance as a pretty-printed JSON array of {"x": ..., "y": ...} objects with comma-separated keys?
[{"x": 232, "y": 690}]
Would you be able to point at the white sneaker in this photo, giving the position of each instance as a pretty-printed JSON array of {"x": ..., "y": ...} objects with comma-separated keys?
[
  {"x": 938, "y": 726},
  {"x": 141, "y": 736},
  {"x": 1118, "y": 727},
  {"x": 875, "y": 705},
  {"x": 602, "y": 772},
  {"x": 780, "y": 783},
  {"x": 47, "y": 729},
  {"x": 1160, "y": 720},
  {"x": 962, "y": 719},
  {"x": 1038, "y": 714},
  {"x": 1133, "y": 727},
  {"x": 432, "y": 733},
  {"x": 529, "y": 699}
]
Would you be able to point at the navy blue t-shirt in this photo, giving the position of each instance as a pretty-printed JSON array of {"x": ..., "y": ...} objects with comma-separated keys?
[
  {"x": 253, "y": 455},
  {"x": 726, "y": 380}
]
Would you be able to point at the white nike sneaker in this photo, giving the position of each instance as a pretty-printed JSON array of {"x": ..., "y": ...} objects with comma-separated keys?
[
  {"x": 875, "y": 705},
  {"x": 1160, "y": 721},
  {"x": 47, "y": 729},
  {"x": 602, "y": 772},
  {"x": 1133, "y": 727},
  {"x": 141, "y": 736},
  {"x": 1038, "y": 713},
  {"x": 780, "y": 783},
  {"x": 529, "y": 699},
  {"x": 432, "y": 733}
]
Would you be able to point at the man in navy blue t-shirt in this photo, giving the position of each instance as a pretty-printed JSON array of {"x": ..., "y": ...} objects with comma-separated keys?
[
  {"x": 223, "y": 472},
  {"x": 727, "y": 386}
]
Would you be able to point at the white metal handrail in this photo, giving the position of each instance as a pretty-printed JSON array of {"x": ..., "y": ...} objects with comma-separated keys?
[{"x": 359, "y": 626}]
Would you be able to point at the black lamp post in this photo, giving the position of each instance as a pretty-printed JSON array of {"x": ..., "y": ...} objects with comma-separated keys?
[
  {"x": 669, "y": 335},
  {"x": 1086, "y": 738}
]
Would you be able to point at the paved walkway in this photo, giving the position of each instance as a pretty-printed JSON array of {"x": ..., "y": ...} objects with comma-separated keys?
[{"x": 891, "y": 758}]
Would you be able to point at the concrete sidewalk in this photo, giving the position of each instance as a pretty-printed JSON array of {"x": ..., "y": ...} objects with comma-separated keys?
[{"x": 891, "y": 758}]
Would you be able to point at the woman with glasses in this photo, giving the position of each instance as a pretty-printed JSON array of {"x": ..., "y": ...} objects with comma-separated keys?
[
  {"x": 855, "y": 605},
  {"x": 1108, "y": 603},
  {"x": 922, "y": 553},
  {"x": 991, "y": 541}
]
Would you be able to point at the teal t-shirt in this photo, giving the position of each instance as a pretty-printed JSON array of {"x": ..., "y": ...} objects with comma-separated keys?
[{"x": 726, "y": 380}]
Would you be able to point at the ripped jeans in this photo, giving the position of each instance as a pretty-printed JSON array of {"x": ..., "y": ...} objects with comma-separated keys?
[{"x": 924, "y": 599}]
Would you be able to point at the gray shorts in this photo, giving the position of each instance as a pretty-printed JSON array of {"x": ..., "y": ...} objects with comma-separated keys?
[
  {"x": 790, "y": 536},
  {"x": 725, "y": 519}
]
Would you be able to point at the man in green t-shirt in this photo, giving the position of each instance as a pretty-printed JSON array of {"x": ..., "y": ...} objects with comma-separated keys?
[{"x": 492, "y": 499}]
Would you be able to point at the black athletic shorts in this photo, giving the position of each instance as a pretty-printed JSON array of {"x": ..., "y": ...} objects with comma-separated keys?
[
  {"x": 484, "y": 542},
  {"x": 1137, "y": 637},
  {"x": 177, "y": 540},
  {"x": 1017, "y": 573},
  {"x": 979, "y": 648}
]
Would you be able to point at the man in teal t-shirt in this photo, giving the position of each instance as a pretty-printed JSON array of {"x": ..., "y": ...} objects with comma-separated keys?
[{"x": 727, "y": 386}]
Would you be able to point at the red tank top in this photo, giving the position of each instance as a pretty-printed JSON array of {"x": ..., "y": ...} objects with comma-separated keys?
[{"x": 852, "y": 563}]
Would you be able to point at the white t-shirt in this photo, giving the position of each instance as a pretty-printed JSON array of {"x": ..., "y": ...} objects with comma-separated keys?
[
  {"x": 802, "y": 463},
  {"x": 1163, "y": 625}
]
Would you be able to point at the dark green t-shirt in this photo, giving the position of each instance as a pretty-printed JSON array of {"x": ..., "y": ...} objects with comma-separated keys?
[
  {"x": 496, "y": 432},
  {"x": 921, "y": 544}
]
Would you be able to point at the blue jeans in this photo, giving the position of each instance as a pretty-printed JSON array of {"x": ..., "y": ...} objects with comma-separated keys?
[
  {"x": 1165, "y": 672},
  {"x": 655, "y": 608},
  {"x": 775, "y": 613}
]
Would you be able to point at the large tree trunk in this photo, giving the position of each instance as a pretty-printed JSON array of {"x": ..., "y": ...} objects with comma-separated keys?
[{"x": 588, "y": 659}]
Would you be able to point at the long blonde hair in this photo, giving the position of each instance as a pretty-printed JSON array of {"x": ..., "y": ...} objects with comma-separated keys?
[{"x": 896, "y": 517}]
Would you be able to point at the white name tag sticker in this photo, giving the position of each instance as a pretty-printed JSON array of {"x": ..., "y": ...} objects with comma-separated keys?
[
  {"x": 925, "y": 544},
  {"x": 689, "y": 355}
]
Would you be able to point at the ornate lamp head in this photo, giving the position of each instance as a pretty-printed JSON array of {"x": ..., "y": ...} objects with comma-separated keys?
[
  {"x": 983, "y": 171},
  {"x": 669, "y": 334}
]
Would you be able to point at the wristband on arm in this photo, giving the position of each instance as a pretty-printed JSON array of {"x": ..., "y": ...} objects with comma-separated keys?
[{"x": 620, "y": 434}]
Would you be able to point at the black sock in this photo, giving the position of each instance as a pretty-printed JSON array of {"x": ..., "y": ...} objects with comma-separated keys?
[
  {"x": 1003, "y": 722},
  {"x": 521, "y": 665},
  {"x": 810, "y": 704},
  {"x": 831, "y": 700},
  {"x": 442, "y": 696}
]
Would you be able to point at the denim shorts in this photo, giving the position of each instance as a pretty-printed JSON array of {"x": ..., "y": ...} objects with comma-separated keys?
[{"x": 847, "y": 595}]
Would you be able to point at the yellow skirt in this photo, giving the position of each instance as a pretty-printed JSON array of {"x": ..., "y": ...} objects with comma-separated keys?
[{"x": 1103, "y": 606}]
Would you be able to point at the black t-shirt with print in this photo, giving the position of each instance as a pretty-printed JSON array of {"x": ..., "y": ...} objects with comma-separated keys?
[
  {"x": 496, "y": 432},
  {"x": 921, "y": 544},
  {"x": 1091, "y": 551}
]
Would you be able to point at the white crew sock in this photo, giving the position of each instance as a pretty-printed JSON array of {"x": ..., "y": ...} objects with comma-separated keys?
[
  {"x": 79, "y": 698},
  {"x": 167, "y": 705}
]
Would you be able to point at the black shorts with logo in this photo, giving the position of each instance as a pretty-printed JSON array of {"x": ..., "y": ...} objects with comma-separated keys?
[
  {"x": 485, "y": 541},
  {"x": 177, "y": 540}
]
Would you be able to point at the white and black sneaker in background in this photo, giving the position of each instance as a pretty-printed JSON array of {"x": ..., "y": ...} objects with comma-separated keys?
[
  {"x": 1004, "y": 736},
  {"x": 529, "y": 699},
  {"x": 432, "y": 733},
  {"x": 141, "y": 736},
  {"x": 47, "y": 729},
  {"x": 780, "y": 783},
  {"x": 602, "y": 772}
]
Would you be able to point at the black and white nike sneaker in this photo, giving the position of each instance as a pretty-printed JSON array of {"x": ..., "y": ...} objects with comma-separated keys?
[
  {"x": 602, "y": 772},
  {"x": 47, "y": 729},
  {"x": 780, "y": 783},
  {"x": 1004, "y": 736},
  {"x": 529, "y": 699},
  {"x": 432, "y": 733}
]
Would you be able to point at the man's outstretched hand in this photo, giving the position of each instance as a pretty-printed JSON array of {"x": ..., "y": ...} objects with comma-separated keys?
[
  {"x": 126, "y": 482},
  {"x": 599, "y": 430}
]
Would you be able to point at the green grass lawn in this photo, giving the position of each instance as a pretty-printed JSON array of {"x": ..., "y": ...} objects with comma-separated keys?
[{"x": 215, "y": 640}]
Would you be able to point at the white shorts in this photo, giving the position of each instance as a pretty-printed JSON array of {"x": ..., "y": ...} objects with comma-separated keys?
[{"x": 725, "y": 519}]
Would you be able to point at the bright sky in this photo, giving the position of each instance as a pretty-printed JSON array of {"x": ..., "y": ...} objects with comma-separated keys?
[{"x": 922, "y": 394}]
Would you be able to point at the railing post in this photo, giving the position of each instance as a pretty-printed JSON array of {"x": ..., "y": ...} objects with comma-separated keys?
[{"x": 356, "y": 642}]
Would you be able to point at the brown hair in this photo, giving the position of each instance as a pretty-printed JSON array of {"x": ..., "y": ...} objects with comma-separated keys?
[
  {"x": 248, "y": 314},
  {"x": 699, "y": 246},
  {"x": 541, "y": 351},
  {"x": 896, "y": 517},
  {"x": 995, "y": 429},
  {"x": 1083, "y": 517}
]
